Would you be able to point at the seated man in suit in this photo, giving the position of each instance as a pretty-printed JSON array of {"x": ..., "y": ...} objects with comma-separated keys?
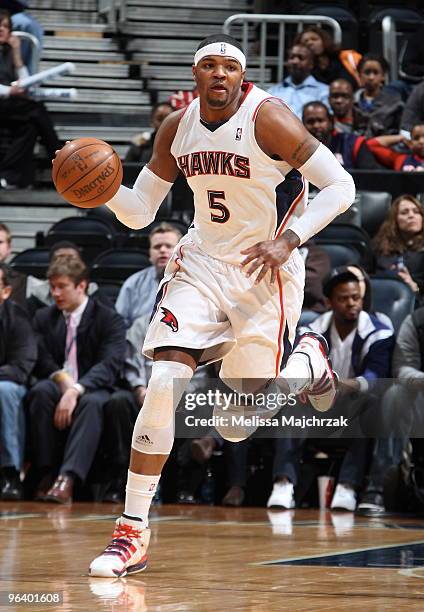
[
  {"x": 81, "y": 351},
  {"x": 18, "y": 352}
]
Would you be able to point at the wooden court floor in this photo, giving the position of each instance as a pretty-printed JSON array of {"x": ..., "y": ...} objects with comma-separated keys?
[{"x": 211, "y": 558}]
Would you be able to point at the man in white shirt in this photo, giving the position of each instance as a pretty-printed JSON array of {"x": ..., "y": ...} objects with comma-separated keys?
[{"x": 361, "y": 347}]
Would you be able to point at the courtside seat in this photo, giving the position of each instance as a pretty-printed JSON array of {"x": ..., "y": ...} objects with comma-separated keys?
[
  {"x": 33, "y": 262},
  {"x": 351, "y": 236},
  {"x": 341, "y": 254},
  {"x": 116, "y": 265},
  {"x": 374, "y": 207},
  {"x": 91, "y": 234},
  {"x": 392, "y": 297}
]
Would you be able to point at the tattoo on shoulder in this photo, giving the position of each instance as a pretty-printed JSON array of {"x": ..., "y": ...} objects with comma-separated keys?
[{"x": 303, "y": 151}]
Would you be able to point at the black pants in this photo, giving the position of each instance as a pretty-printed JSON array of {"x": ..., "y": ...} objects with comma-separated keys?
[
  {"x": 26, "y": 119},
  {"x": 120, "y": 414},
  {"x": 70, "y": 450}
]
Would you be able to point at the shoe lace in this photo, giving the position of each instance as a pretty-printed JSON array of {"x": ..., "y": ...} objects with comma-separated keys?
[{"x": 122, "y": 538}]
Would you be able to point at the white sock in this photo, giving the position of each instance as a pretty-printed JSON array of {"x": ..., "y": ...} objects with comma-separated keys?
[
  {"x": 297, "y": 373},
  {"x": 140, "y": 490}
]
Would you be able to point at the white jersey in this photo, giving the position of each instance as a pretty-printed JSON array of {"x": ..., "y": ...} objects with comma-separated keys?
[{"x": 241, "y": 195}]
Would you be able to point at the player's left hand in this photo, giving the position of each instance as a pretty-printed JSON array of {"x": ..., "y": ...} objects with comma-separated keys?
[{"x": 269, "y": 255}]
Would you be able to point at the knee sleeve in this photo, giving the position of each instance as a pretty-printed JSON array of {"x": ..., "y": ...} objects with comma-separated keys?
[{"x": 154, "y": 429}]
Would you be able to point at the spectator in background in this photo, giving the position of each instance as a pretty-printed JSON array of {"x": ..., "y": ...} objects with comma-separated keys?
[
  {"x": 300, "y": 87},
  {"x": 406, "y": 162},
  {"x": 138, "y": 294},
  {"x": 18, "y": 353},
  {"x": 24, "y": 22},
  {"x": 381, "y": 108},
  {"x": 37, "y": 292},
  {"x": 360, "y": 350},
  {"x": 141, "y": 148},
  {"x": 81, "y": 351},
  {"x": 122, "y": 408},
  {"x": 317, "y": 267},
  {"x": 182, "y": 98},
  {"x": 413, "y": 113},
  {"x": 5, "y": 242},
  {"x": 330, "y": 62},
  {"x": 25, "y": 117},
  {"x": 347, "y": 117},
  {"x": 350, "y": 149},
  {"x": 399, "y": 244}
]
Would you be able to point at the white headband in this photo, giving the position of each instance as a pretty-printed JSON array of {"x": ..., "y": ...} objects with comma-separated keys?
[{"x": 221, "y": 48}]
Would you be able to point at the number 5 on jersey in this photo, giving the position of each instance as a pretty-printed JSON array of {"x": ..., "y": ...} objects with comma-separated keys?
[{"x": 221, "y": 213}]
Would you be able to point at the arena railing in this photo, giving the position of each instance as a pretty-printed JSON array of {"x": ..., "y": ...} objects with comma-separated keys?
[
  {"x": 389, "y": 36},
  {"x": 35, "y": 49},
  {"x": 247, "y": 19},
  {"x": 114, "y": 11}
]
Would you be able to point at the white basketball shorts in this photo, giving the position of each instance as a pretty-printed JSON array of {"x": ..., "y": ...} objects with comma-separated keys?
[{"x": 204, "y": 303}]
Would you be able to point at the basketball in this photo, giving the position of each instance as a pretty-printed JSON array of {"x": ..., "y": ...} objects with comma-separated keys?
[{"x": 87, "y": 172}]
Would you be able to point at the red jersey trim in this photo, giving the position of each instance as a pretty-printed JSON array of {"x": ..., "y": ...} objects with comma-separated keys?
[
  {"x": 290, "y": 210},
  {"x": 281, "y": 326}
]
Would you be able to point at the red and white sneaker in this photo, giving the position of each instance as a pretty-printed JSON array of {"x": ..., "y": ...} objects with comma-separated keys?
[
  {"x": 321, "y": 388},
  {"x": 126, "y": 554}
]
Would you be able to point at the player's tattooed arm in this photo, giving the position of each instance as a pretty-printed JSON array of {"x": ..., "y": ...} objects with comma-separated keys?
[
  {"x": 280, "y": 134},
  {"x": 162, "y": 163}
]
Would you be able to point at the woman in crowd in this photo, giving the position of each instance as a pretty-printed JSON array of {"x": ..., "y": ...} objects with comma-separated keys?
[
  {"x": 399, "y": 244},
  {"x": 383, "y": 108},
  {"x": 330, "y": 62}
]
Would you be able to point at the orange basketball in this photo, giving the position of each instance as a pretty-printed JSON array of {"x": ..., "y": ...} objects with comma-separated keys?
[{"x": 87, "y": 172}]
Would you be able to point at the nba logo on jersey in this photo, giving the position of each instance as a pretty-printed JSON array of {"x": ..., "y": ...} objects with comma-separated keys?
[
  {"x": 239, "y": 132},
  {"x": 223, "y": 48}
]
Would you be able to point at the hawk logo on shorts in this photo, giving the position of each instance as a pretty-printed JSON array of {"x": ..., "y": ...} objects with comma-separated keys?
[{"x": 169, "y": 319}]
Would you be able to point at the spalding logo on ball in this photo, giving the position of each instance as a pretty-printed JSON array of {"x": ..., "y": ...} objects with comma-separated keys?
[{"x": 87, "y": 172}]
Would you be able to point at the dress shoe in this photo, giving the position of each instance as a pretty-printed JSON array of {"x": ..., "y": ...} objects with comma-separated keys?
[
  {"x": 43, "y": 487},
  {"x": 202, "y": 449},
  {"x": 61, "y": 490},
  {"x": 234, "y": 497},
  {"x": 11, "y": 487}
]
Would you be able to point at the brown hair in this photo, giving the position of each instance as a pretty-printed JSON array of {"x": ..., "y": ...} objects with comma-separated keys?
[
  {"x": 165, "y": 227},
  {"x": 330, "y": 48},
  {"x": 389, "y": 240},
  {"x": 68, "y": 265},
  {"x": 6, "y": 230},
  {"x": 6, "y": 15}
]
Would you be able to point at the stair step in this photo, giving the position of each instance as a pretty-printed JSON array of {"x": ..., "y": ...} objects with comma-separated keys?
[
  {"x": 241, "y": 6},
  {"x": 93, "y": 69},
  {"x": 86, "y": 107},
  {"x": 99, "y": 83},
  {"x": 65, "y": 5},
  {"x": 177, "y": 13},
  {"x": 48, "y": 18},
  {"x": 174, "y": 30},
  {"x": 110, "y": 134},
  {"x": 77, "y": 43},
  {"x": 72, "y": 55}
]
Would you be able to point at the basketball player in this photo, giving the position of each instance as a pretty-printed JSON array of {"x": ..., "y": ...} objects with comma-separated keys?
[{"x": 233, "y": 289}]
